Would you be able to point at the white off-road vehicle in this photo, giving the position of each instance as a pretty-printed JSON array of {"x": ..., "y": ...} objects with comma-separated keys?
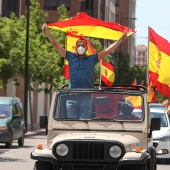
[{"x": 110, "y": 138}]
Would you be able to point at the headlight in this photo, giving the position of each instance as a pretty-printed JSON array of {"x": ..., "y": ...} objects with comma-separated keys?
[
  {"x": 3, "y": 128},
  {"x": 163, "y": 138},
  {"x": 115, "y": 151},
  {"x": 62, "y": 150}
]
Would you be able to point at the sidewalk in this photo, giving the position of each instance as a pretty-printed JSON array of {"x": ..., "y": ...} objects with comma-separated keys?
[{"x": 35, "y": 132}]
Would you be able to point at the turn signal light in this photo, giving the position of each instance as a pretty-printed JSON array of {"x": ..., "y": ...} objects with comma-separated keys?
[
  {"x": 138, "y": 150},
  {"x": 39, "y": 146}
]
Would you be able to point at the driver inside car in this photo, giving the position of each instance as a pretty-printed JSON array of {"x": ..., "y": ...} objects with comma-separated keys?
[{"x": 126, "y": 111}]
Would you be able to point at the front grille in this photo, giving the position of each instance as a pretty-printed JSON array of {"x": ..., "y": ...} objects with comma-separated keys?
[{"x": 88, "y": 151}]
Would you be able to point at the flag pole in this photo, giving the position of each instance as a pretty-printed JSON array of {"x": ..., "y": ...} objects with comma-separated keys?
[
  {"x": 100, "y": 74},
  {"x": 147, "y": 70}
]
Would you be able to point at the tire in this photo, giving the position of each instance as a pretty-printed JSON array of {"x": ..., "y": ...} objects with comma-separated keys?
[
  {"x": 152, "y": 162},
  {"x": 40, "y": 165},
  {"x": 9, "y": 143},
  {"x": 21, "y": 140}
]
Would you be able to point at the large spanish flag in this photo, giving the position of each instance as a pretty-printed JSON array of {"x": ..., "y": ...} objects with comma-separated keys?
[
  {"x": 107, "y": 73},
  {"x": 159, "y": 62},
  {"x": 151, "y": 93},
  {"x": 83, "y": 24},
  {"x": 136, "y": 101},
  {"x": 71, "y": 45}
]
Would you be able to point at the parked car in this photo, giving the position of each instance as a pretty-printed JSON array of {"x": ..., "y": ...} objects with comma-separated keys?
[
  {"x": 12, "y": 124},
  {"x": 161, "y": 138}
]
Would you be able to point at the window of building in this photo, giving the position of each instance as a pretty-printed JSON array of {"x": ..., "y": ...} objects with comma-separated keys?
[
  {"x": 116, "y": 18},
  {"x": 143, "y": 53},
  {"x": 87, "y": 6},
  {"x": 116, "y": 3},
  {"x": 54, "y": 4},
  {"x": 9, "y": 6},
  {"x": 139, "y": 53}
]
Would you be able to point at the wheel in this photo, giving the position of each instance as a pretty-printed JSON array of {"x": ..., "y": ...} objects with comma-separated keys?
[
  {"x": 21, "y": 139},
  {"x": 40, "y": 165},
  {"x": 152, "y": 162},
  {"x": 9, "y": 143}
]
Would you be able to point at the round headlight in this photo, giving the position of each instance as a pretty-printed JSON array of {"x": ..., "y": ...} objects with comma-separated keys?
[
  {"x": 115, "y": 151},
  {"x": 62, "y": 150}
]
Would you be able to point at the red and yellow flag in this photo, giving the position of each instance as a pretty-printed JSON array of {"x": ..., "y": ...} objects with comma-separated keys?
[
  {"x": 159, "y": 59},
  {"x": 165, "y": 102},
  {"x": 107, "y": 73},
  {"x": 70, "y": 46},
  {"x": 168, "y": 108},
  {"x": 83, "y": 24},
  {"x": 136, "y": 101},
  {"x": 151, "y": 93},
  {"x": 134, "y": 82}
]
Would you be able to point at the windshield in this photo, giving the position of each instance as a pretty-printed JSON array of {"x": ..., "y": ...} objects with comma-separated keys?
[
  {"x": 4, "y": 111},
  {"x": 97, "y": 106}
]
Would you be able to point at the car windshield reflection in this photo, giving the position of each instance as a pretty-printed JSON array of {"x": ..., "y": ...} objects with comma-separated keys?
[
  {"x": 4, "y": 111},
  {"x": 97, "y": 106}
]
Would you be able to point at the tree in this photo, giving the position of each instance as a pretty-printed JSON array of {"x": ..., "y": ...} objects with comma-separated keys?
[{"x": 9, "y": 32}]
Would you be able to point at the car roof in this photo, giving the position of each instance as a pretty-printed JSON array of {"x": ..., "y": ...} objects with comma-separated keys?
[
  {"x": 8, "y": 100},
  {"x": 156, "y": 105},
  {"x": 157, "y": 110}
]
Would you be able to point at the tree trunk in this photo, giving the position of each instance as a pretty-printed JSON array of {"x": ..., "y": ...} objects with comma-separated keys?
[{"x": 3, "y": 91}]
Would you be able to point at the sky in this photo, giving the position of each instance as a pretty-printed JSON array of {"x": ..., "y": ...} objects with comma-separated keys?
[{"x": 154, "y": 14}]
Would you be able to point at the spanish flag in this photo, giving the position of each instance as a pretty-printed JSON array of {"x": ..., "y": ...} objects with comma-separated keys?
[
  {"x": 159, "y": 62},
  {"x": 83, "y": 24},
  {"x": 134, "y": 82},
  {"x": 151, "y": 93},
  {"x": 136, "y": 101},
  {"x": 107, "y": 73},
  {"x": 165, "y": 102},
  {"x": 71, "y": 46}
]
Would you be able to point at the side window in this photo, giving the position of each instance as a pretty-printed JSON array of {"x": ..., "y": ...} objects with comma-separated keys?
[
  {"x": 14, "y": 110},
  {"x": 19, "y": 109}
]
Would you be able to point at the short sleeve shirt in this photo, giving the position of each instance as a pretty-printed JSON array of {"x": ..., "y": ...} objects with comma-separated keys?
[{"x": 81, "y": 70}]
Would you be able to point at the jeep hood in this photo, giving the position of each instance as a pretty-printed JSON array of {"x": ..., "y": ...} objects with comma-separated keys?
[{"x": 130, "y": 142}]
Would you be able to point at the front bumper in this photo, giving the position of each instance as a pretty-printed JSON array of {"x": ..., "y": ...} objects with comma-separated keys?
[
  {"x": 162, "y": 149},
  {"x": 130, "y": 158},
  {"x": 4, "y": 137}
]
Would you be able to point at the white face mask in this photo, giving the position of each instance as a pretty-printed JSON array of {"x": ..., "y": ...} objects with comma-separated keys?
[{"x": 81, "y": 50}]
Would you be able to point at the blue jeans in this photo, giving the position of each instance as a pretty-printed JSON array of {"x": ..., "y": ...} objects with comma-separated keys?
[{"x": 79, "y": 109}]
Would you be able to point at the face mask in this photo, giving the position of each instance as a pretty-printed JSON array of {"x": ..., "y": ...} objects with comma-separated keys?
[{"x": 81, "y": 50}]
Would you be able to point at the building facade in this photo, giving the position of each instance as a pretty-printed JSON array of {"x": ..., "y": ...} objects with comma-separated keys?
[{"x": 141, "y": 55}]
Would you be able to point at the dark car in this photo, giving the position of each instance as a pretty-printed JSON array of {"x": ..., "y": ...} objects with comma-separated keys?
[{"x": 12, "y": 124}]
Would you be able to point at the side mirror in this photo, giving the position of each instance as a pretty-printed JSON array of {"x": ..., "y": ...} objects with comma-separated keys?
[
  {"x": 155, "y": 125},
  {"x": 44, "y": 122}
]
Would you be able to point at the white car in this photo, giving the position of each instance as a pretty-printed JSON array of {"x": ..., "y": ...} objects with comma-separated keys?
[{"x": 161, "y": 138}]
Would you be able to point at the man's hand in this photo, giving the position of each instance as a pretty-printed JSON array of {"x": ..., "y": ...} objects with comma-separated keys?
[
  {"x": 45, "y": 29},
  {"x": 123, "y": 37}
]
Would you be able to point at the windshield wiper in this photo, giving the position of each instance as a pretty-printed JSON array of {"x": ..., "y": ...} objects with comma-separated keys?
[{"x": 110, "y": 119}]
